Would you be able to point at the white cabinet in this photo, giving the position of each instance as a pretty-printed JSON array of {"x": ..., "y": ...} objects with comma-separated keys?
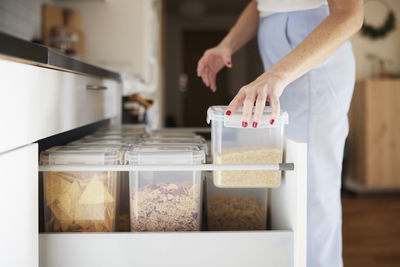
[
  {"x": 37, "y": 102},
  {"x": 282, "y": 246},
  {"x": 19, "y": 207}
]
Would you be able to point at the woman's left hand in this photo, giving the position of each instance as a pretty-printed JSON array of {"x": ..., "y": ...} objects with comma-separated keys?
[{"x": 268, "y": 87}]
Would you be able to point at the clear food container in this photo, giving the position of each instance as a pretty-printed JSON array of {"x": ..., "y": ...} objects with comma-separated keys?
[
  {"x": 123, "y": 127},
  {"x": 172, "y": 132},
  {"x": 165, "y": 201},
  {"x": 178, "y": 141},
  {"x": 123, "y": 178},
  {"x": 123, "y": 134},
  {"x": 233, "y": 144},
  {"x": 195, "y": 137},
  {"x": 133, "y": 140},
  {"x": 123, "y": 146},
  {"x": 80, "y": 201},
  {"x": 235, "y": 209}
]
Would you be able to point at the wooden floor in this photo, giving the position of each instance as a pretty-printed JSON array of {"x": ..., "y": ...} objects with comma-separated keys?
[{"x": 371, "y": 230}]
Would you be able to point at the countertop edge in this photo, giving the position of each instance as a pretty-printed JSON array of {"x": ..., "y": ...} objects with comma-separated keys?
[{"x": 30, "y": 53}]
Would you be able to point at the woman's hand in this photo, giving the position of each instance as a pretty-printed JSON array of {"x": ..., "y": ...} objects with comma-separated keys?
[
  {"x": 268, "y": 87},
  {"x": 213, "y": 60}
]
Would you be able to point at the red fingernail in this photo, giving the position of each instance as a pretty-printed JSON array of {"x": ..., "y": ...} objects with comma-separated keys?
[
  {"x": 228, "y": 112},
  {"x": 254, "y": 124},
  {"x": 272, "y": 121},
  {"x": 244, "y": 124}
]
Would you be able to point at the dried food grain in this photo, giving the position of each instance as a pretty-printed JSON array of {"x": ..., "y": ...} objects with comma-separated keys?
[
  {"x": 80, "y": 201},
  {"x": 235, "y": 213},
  {"x": 248, "y": 155},
  {"x": 166, "y": 206}
]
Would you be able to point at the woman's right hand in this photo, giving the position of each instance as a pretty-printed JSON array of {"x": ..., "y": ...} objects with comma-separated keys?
[{"x": 212, "y": 61}]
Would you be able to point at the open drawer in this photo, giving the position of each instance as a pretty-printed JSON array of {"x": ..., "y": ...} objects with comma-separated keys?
[{"x": 283, "y": 245}]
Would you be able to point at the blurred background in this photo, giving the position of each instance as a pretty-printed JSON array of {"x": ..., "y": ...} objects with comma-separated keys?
[{"x": 155, "y": 45}]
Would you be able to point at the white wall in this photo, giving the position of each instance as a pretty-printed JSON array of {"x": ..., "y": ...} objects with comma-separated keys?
[
  {"x": 388, "y": 48},
  {"x": 22, "y": 18},
  {"x": 124, "y": 36},
  {"x": 115, "y": 33}
]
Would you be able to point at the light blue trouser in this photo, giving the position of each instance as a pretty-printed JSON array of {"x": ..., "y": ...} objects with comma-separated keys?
[{"x": 317, "y": 104}]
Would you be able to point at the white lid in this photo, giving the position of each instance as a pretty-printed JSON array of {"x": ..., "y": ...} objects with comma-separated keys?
[
  {"x": 100, "y": 143},
  {"x": 172, "y": 132},
  {"x": 64, "y": 155},
  {"x": 164, "y": 154},
  {"x": 177, "y": 139},
  {"x": 125, "y": 126},
  {"x": 202, "y": 146},
  {"x": 217, "y": 113},
  {"x": 114, "y": 138}
]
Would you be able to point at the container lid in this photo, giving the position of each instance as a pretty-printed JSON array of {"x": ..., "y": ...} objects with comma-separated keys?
[
  {"x": 172, "y": 132},
  {"x": 100, "y": 143},
  {"x": 160, "y": 142},
  {"x": 164, "y": 154},
  {"x": 178, "y": 139},
  {"x": 125, "y": 126},
  {"x": 217, "y": 113},
  {"x": 115, "y": 138},
  {"x": 64, "y": 155},
  {"x": 118, "y": 135}
]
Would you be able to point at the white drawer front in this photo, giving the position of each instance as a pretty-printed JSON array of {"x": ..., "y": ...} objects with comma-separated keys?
[
  {"x": 18, "y": 207},
  {"x": 37, "y": 102},
  {"x": 219, "y": 249}
]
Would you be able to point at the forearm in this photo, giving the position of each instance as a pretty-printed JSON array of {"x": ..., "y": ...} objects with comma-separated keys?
[
  {"x": 345, "y": 19},
  {"x": 244, "y": 29}
]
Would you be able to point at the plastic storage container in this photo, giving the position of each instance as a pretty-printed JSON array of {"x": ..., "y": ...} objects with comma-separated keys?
[
  {"x": 132, "y": 140},
  {"x": 123, "y": 181},
  {"x": 123, "y": 134},
  {"x": 80, "y": 201},
  {"x": 172, "y": 132},
  {"x": 164, "y": 201},
  {"x": 233, "y": 144},
  {"x": 199, "y": 142},
  {"x": 235, "y": 209},
  {"x": 113, "y": 143},
  {"x": 123, "y": 127}
]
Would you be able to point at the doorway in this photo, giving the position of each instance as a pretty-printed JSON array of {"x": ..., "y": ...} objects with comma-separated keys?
[
  {"x": 197, "y": 97},
  {"x": 186, "y": 98}
]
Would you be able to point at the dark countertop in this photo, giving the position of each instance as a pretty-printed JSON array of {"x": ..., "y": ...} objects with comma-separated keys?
[{"x": 13, "y": 47}]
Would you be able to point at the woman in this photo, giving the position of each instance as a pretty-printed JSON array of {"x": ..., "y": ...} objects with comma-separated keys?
[{"x": 309, "y": 72}]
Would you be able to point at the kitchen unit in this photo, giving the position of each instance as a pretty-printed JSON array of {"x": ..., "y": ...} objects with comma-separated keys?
[
  {"x": 46, "y": 96},
  {"x": 373, "y": 136}
]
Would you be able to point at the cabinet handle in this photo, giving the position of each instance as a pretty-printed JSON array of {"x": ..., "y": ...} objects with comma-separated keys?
[{"x": 95, "y": 87}]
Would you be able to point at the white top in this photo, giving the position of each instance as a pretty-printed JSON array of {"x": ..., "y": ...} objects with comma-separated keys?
[{"x": 269, "y": 7}]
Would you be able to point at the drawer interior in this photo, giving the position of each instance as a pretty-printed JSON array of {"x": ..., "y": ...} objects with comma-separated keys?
[{"x": 280, "y": 245}]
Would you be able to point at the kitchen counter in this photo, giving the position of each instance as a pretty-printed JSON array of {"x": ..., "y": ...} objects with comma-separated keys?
[{"x": 20, "y": 50}]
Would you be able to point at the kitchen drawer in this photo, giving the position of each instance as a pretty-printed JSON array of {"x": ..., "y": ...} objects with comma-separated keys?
[
  {"x": 18, "y": 207},
  {"x": 263, "y": 248},
  {"x": 37, "y": 102},
  {"x": 283, "y": 245}
]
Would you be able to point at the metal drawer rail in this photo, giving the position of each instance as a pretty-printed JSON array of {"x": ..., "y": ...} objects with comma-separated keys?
[{"x": 169, "y": 167}]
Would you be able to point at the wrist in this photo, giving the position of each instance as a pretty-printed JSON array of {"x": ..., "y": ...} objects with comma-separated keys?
[
  {"x": 226, "y": 44},
  {"x": 281, "y": 77}
]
